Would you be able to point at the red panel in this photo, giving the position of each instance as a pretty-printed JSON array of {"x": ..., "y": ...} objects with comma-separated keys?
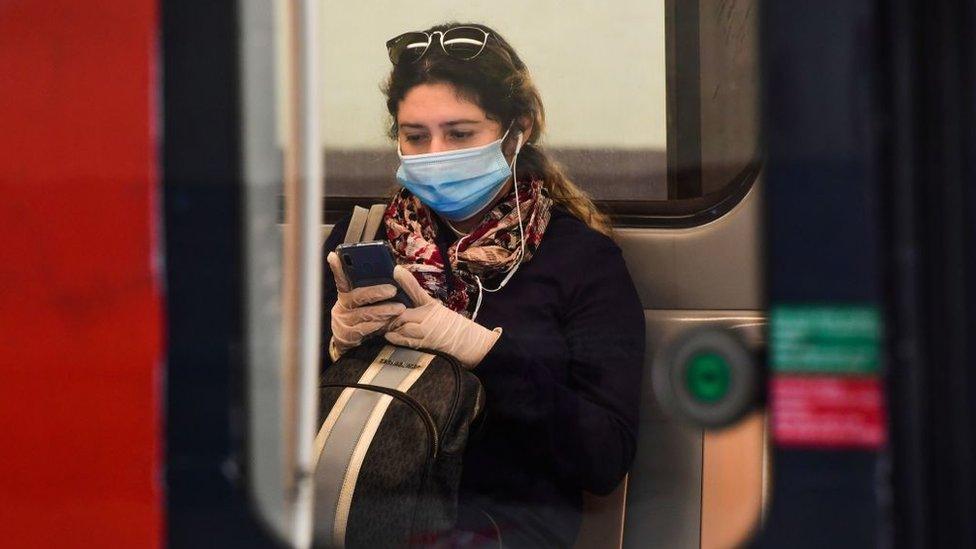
[
  {"x": 827, "y": 412},
  {"x": 80, "y": 306}
]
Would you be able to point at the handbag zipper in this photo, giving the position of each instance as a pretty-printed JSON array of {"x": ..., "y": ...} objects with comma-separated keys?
[
  {"x": 434, "y": 446},
  {"x": 456, "y": 368}
]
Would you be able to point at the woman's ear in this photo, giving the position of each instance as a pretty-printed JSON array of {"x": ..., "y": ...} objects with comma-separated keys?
[{"x": 522, "y": 127}]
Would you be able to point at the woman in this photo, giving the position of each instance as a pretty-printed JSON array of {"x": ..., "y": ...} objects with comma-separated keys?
[{"x": 517, "y": 277}]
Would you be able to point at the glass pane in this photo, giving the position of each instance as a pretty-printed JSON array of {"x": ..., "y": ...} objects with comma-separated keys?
[
  {"x": 729, "y": 90},
  {"x": 602, "y": 83}
]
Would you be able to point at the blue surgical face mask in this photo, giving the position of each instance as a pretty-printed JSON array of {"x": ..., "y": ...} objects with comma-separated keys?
[{"x": 456, "y": 184}]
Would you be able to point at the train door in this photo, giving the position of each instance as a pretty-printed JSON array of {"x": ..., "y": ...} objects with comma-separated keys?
[{"x": 869, "y": 124}]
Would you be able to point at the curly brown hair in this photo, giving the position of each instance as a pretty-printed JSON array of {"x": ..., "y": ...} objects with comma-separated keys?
[{"x": 497, "y": 81}]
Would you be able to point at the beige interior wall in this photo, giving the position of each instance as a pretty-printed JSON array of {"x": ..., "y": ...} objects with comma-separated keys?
[{"x": 600, "y": 70}]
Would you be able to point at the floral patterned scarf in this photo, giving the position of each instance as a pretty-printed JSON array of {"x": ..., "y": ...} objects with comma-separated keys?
[{"x": 490, "y": 249}]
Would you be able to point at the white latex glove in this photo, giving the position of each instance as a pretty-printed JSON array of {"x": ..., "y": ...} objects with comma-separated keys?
[
  {"x": 353, "y": 316},
  {"x": 431, "y": 325}
]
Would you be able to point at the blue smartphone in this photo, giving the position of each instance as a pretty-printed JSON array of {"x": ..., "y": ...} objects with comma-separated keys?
[{"x": 368, "y": 264}]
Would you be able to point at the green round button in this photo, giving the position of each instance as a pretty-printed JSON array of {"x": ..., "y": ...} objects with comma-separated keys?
[{"x": 707, "y": 377}]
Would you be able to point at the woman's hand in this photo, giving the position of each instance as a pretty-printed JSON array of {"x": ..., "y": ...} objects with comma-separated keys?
[
  {"x": 354, "y": 317},
  {"x": 431, "y": 325}
]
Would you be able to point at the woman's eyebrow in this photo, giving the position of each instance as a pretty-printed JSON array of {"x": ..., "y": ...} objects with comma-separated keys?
[
  {"x": 444, "y": 124},
  {"x": 456, "y": 122}
]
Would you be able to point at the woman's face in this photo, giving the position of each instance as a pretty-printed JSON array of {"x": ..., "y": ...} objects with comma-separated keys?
[{"x": 433, "y": 118}]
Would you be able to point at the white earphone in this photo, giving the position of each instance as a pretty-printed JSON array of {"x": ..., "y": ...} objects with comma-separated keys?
[{"x": 518, "y": 212}]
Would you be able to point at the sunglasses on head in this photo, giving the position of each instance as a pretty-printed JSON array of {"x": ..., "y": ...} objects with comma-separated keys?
[{"x": 464, "y": 43}]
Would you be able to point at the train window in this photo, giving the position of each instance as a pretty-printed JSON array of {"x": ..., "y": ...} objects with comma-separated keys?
[{"x": 655, "y": 118}]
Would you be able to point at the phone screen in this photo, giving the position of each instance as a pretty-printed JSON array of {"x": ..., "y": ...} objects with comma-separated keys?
[{"x": 369, "y": 264}]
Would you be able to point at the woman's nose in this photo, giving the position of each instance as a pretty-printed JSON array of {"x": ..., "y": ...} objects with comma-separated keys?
[{"x": 438, "y": 144}]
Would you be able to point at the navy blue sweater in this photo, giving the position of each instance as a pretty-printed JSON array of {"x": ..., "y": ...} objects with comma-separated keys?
[{"x": 562, "y": 385}]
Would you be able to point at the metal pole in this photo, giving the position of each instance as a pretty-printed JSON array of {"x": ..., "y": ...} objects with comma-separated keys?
[{"x": 310, "y": 193}]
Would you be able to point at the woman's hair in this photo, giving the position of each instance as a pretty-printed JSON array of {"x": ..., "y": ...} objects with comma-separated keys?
[{"x": 499, "y": 82}]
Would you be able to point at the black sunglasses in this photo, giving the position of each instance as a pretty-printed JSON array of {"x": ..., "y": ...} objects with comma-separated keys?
[{"x": 463, "y": 43}]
